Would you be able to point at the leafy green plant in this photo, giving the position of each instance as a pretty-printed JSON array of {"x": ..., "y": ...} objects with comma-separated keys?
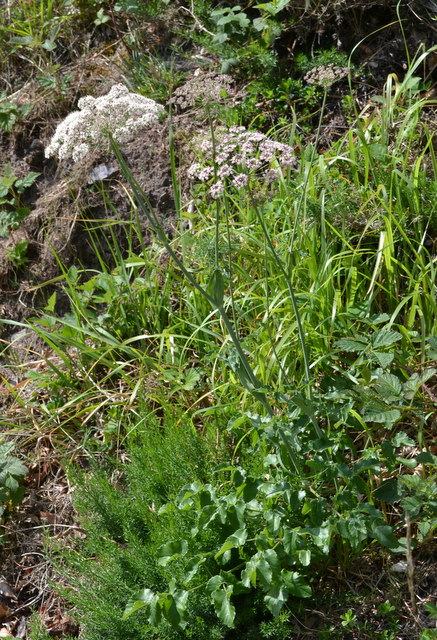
[
  {"x": 34, "y": 27},
  {"x": 10, "y": 112},
  {"x": 229, "y": 21},
  {"x": 12, "y": 471},
  {"x": 18, "y": 254},
  {"x": 348, "y": 619},
  {"x": 11, "y": 190}
]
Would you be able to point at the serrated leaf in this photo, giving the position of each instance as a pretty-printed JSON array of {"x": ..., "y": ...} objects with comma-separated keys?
[
  {"x": 402, "y": 439},
  {"x": 223, "y": 606},
  {"x": 383, "y": 359},
  {"x": 381, "y": 415},
  {"x": 412, "y": 504},
  {"x": 432, "y": 349},
  {"x": 28, "y": 181},
  {"x": 385, "y": 338},
  {"x": 171, "y": 550},
  {"x": 353, "y": 529},
  {"x": 413, "y": 384},
  {"x": 191, "y": 378},
  {"x": 273, "y": 7},
  {"x": 379, "y": 317},
  {"x": 389, "y": 387},
  {"x": 353, "y": 345}
]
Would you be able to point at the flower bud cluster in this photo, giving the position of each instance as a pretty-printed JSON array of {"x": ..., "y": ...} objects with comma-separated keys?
[
  {"x": 326, "y": 75},
  {"x": 211, "y": 89},
  {"x": 237, "y": 157},
  {"x": 119, "y": 112}
]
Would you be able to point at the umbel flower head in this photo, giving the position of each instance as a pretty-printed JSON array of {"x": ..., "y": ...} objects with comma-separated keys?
[
  {"x": 119, "y": 112},
  {"x": 208, "y": 89},
  {"x": 326, "y": 75},
  {"x": 237, "y": 157}
]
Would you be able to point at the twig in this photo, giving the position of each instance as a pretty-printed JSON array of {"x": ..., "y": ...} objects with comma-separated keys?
[{"x": 196, "y": 20}]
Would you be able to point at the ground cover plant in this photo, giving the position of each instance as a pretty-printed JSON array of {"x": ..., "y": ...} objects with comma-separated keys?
[{"x": 243, "y": 394}]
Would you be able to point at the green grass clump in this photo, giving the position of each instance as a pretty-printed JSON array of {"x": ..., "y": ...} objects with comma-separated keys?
[{"x": 119, "y": 510}]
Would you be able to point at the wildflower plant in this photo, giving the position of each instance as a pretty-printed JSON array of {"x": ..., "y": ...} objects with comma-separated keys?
[
  {"x": 119, "y": 112},
  {"x": 239, "y": 158}
]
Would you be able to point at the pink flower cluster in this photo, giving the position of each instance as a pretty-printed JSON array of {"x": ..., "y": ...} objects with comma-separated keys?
[{"x": 237, "y": 156}]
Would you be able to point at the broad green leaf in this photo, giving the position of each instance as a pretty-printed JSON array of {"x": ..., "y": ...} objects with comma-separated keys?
[
  {"x": 233, "y": 541},
  {"x": 381, "y": 414},
  {"x": 388, "y": 491},
  {"x": 427, "y": 458},
  {"x": 384, "y": 534},
  {"x": 174, "y": 608},
  {"x": 273, "y": 521},
  {"x": 214, "y": 583},
  {"x": 290, "y": 541},
  {"x": 410, "y": 463},
  {"x": 207, "y": 515},
  {"x": 304, "y": 556},
  {"x": 263, "y": 566},
  {"x": 171, "y": 550},
  {"x": 271, "y": 557},
  {"x": 296, "y": 584},
  {"x": 275, "y": 599},
  {"x": 143, "y": 598},
  {"x": 193, "y": 567},
  {"x": 248, "y": 575},
  {"x": 223, "y": 606}
]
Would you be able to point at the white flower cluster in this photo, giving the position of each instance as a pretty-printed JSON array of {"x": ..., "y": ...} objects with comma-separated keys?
[{"x": 119, "y": 112}]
